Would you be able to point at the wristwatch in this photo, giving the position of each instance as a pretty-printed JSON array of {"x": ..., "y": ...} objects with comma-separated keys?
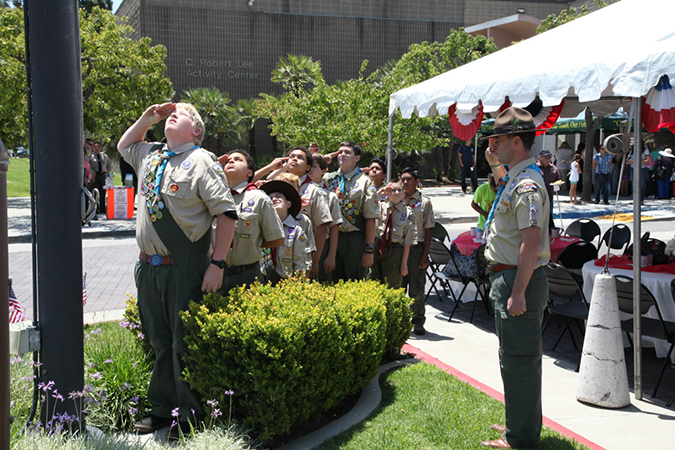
[
  {"x": 220, "y": 263},
  {"x": 369, "y": 246}
]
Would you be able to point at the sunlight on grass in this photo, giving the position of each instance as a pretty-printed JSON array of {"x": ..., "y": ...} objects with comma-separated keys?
[
  {"x": 18, "y": 181},
  {"x": 425, "y": 408}
]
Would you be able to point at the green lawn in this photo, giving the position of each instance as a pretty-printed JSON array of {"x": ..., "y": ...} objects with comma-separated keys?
[
  {"x": 425, "y": 408},
  {"x": 18, "y": 182}
]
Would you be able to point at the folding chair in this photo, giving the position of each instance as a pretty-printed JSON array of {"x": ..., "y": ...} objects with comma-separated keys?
[
  {"x": 574, "y": 256},
  {"x": 655, "y": 328},
  {"x": 620, "y": 237},
  {"x": 439, "y": 232},
  {"x": 585, "y": 229},
  {"x": 566, "y": 299},
  {"x": 440, "y": 257}
]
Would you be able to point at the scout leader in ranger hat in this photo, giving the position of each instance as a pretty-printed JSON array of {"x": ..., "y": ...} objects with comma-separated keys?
[{"x": 511, "y": 121}]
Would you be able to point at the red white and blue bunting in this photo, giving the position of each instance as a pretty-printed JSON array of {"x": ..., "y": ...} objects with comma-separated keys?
[
  {"x": 463, "y": 125},
  {"x": 658, "y": 107},
  {"x": 544, "y": 117}
]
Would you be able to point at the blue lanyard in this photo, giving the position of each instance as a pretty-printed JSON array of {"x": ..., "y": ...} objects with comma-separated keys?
[
  {"x": 499, "y": 194},
  {"x": 342, "y": 179}
]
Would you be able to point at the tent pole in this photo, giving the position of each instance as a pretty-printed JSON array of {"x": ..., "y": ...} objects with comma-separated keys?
[
  {"x": 390, "y": 141},
  {"x": 637, "y": 248}
]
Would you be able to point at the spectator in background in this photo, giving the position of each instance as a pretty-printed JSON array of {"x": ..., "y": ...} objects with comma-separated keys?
[
  {"x": 483, "y": 198},
  {"x": 581, "y": 151},
  {"x": 575, "y": 176},
  {"x": 563, "y": 161},
  {"x": 664, "y": 169},
  {"x": 101, "y": 166},
  {"x": 551, "y": 175},
  {"x": 601, "y": 166},
  {"x": 467, "y": 161},
  {"x": 614, "y": 170}
]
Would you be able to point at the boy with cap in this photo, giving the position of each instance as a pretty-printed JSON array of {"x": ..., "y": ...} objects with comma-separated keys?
[
  {"x": 183, "y": 190},
  {"x": 517, "y": 248},
  {"x": 396, "y": 232},
  {"x": 294, "y": 255},
  {"x": 356, "y": 195},
  {"x": 550, "y": 174},
  {"x": 258, "y": 224}
]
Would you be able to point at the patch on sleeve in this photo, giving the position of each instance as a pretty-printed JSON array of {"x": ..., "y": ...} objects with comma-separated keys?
[
  {"x": 269, "y": 201},
  {"x": 217, "y": 167},
  {"x": 323, "y": 192},
  {"x": 526, "y": 187},
  {"x": 533, "y": 211},
  {"x": 372, "y": 188}
]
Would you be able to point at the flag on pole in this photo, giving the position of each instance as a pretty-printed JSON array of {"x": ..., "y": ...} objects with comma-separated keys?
[
  {"x": 84, "y": 290},
  {"x": 15, "y": 311}
]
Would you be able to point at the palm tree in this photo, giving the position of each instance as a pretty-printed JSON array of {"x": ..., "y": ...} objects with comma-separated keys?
[
  {"x": 220, "y": 119},
  {"x": 296, "y": 72}
]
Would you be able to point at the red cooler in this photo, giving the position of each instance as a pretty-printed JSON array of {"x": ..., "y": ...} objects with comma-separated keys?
[{"x": 120, "y": 202}]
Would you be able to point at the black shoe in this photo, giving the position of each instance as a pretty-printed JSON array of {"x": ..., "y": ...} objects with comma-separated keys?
[
  {"x": 596, "y": 201},
  {"x": 151, "y": 424},
  {"x": 606, "y": 203}
]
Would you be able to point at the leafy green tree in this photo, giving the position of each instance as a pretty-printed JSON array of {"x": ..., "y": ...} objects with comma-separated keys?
[
  {"x": 246, "y": 110},
  {"x": 296, "y": 72},
  {"x": 223, "y": 126},
  {"x": 89, "y": 5},
  {"x": 120, "y": 76},
  {"x": 357, "y": 109}
]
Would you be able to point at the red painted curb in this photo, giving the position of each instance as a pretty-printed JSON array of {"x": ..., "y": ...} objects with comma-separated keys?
[{"x": 555, "y": 426}]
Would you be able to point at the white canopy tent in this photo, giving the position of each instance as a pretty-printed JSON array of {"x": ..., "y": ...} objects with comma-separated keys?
[{"x": 601, "y": 61}]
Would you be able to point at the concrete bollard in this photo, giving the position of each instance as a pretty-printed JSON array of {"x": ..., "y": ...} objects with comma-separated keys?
[{"x": 603, "y": 380}]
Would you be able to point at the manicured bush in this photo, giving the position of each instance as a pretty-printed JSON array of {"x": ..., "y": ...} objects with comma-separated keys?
[{"x": 293, "y": 350}]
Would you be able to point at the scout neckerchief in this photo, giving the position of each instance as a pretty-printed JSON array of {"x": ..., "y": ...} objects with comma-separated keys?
[
  {"x": 486, "y": 227},
  {"x": 412, "y": 202},
  {"x": 152, "y": 180},
  {"x": 386, "y": 236}
]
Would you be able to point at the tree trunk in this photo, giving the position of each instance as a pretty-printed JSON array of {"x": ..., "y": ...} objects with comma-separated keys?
[{"x": 591, "y": 127}]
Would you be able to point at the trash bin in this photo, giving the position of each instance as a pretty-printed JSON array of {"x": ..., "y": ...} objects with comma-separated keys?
[{"x": 120, "y": 202}]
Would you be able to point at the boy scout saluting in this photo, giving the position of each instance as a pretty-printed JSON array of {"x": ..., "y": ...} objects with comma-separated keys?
[
  {"x": 183, "y": 189},
  {"x": 258, "y": 224},
  {"x": 356, "y": 195},
  {"x": 419, "y": 253},
  {"x": 396, "y": 231},
  {"x": 517, "y": 249},
  {"x": 294, "y": 255},
  {"x": 314, "y": 199}
]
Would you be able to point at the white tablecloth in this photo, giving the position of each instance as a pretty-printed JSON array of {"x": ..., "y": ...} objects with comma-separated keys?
[{"x": 658, "y": 284}]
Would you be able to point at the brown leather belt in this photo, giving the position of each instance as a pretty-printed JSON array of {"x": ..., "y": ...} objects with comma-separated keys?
[
  {"x": 494, "y": 268},
  {"x": 156, "y": 260}
]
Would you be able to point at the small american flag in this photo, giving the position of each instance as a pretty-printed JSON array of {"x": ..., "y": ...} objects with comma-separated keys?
[
  {"x": 15, "y": 311},
  {"x": 84, "y": 290}
]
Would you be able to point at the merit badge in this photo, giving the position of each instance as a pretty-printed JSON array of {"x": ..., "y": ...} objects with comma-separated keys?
[
  {"x": 153, "y": 218},
  {"x": 158, "y": 215},
  {"x": 251, "y": 203},
  {"x": 161, "y": 205},
  {"x": 174, "y": 188},
  {"x": 187, "y": 163},
  {"x": 217, "y": 167}
]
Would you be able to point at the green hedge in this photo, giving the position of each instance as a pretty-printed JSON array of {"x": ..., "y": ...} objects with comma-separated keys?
[{"x": 293, "y": 350}]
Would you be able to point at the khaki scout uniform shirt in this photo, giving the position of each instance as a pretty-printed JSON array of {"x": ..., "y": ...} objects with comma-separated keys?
[
  {"x": 306, "y": 226},
  {"x": 403, "y": 225},
  {"x": 257, "y": 220},
  {"x": 295, "y": 254},
  {"x": 335, "y": 213},
  {"x": 314, "y": 203},
  {"x": 523, "y": 204},
  {"x": 423, "y": 211},
  {"x": 194, "y": 189},
  {"x": 358, "y": 198}
]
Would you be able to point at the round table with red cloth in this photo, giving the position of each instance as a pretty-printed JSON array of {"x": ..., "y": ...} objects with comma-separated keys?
[{"x": 466, "y": 245}]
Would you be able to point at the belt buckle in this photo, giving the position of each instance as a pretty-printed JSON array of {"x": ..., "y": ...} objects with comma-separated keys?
[{"x": 156, "y": 260}]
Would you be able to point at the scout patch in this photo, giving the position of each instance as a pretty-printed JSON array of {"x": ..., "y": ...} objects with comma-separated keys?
[
  {"x": 403, "y": 216},
  {"x": 247, "y": 224},
  {"x": 251, "y": 203},
  {"x": 245, "y": 236},
  {"x": 303, "y": 238},
  {"x": 288, "y": 250},
  {"x": 305, "y": 191},
  {"x": 397, "y": 236},
  {"x": 247, "y": 209},
  {"x": 217, "y": 167},
  {"x": 372, "y": 188},
  {"x": 533, "y": 211},
  {"x": 305, "y": 201},
  {"x": 174, "y": 188},
  {"x": 323, "y": 192},
  {"x": 187, "y": 163},
  {"x": 269, "y": 200},
  {"x": 355, "y": 185},
  {"x": 526, "y": 187}
]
